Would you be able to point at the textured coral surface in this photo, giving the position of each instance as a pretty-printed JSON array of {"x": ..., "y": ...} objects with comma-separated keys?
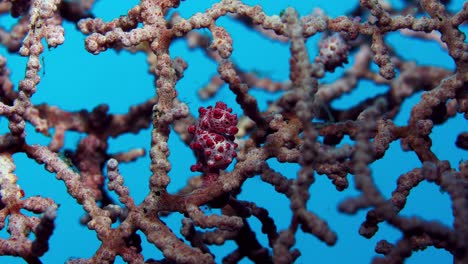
[{"x": 233, "y": 131}]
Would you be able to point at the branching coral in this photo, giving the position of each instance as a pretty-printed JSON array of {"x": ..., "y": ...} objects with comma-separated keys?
[{"x": 300, "y": 126}]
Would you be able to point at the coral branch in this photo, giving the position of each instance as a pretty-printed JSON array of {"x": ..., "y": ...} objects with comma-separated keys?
[{"x": 292, "y": 115}]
